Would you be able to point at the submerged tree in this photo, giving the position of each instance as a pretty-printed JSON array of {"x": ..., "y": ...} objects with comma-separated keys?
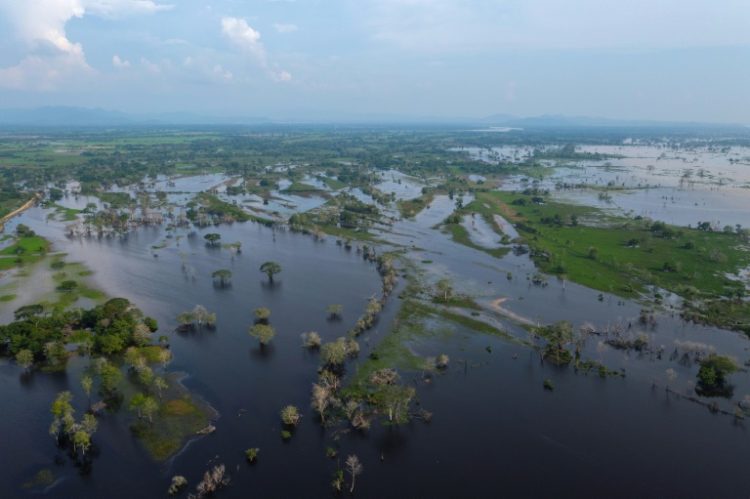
[
  {"x": 223, "y": 277},
  {"x": 25, "y": 359},
  {"x": 290, "y": 415},
  {"x": 270, "y": 269},
  {"x": 311, "y": 340},
  {"x": 334, "y": 311},
  {"x": 262, "y": 314},
  {"x": 263, "y": 333},
  {"x": 712, "y": 376},
  {"x": 444, "y": 289},
  {"x": 355, "y": 468},
  {"x": 212, "y": 239}
]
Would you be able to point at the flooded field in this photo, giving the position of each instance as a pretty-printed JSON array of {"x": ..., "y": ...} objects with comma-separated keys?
[{"x": 500, "y": 412}]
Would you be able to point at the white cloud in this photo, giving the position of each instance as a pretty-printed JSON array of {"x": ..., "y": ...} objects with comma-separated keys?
[
  {"x": 285, "y": 27},
  {"x": 243, "y": 36},
  {"x": 40, "y": 25},
  {"x": 441, "y": 26},
  {"x": 120, "y": 63}
]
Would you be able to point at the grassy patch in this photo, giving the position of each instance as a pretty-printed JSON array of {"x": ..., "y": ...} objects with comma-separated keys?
[
  {"x": 409, "y": 208},
  {"x": 176, "y": 421},
  {"x": 7, "y": 298},
  {"x": 460, "y": 235}
]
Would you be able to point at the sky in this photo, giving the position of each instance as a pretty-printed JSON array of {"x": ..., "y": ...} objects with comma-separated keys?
[{"x": 675, "y": 60}]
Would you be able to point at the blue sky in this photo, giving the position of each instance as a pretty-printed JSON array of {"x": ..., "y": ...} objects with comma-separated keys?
[{"x": 336, "y": 59}]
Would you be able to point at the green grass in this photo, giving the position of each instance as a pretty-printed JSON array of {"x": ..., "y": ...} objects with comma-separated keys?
[
  {"x": 215, "y": 206},
  {"x": 25, "y": 250},
  {"x": 410, "y": 208},
  {"x": 460, "y": 235},
  {"x": 177, "y": 420},
  {"x": 617, "y": 267},
  {"x": 333, "y": 183},
  {"x": 7, "y": 298},
  {"x": 460, "y": 301},
  {"x": 628, "y": 255},
  {"x": 66, "y": 214},
  {"x": 301, "y": 188}
]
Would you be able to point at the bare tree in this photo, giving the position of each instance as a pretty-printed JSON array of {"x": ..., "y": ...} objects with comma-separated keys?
[{"x": 354, "y": 467}]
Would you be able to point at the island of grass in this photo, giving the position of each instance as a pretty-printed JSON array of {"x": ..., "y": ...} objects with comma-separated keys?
[
  {"x": 26, "y": 249},
  {"x": 631, "y": 257}
]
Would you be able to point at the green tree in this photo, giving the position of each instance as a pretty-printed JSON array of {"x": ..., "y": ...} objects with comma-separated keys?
[
  {"x": 263, "y": 333},
  {"x": 212, "y": 239},
  {"x": 262, "y": 314},
  {"x": 334, "y": 311},
  {"x": 712, "y": 376},
  {"x": 270, "y": 269},
  {"x": 223, "y": 277},
  {"x": 290, "y": 415},
  {"x": 25, "y": 359},
  {"x": 87, "y": 383}
]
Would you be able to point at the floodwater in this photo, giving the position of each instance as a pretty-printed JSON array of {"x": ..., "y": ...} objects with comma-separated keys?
[
  {"x": 681, "y": 187},
  {"x": 495, "y": 430}
]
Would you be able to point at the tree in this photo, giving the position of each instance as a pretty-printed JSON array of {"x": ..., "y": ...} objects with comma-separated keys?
[
  {"x": 262, "y": 314},
  {"x": 81, "y": 441},
  {"x": 212, "y": 239},
  {"x": 444, "y": 288},
  {"x": 334, "y": 353},
  {"x": 712, "y": 376},
  {"x": 354, "y": 467},
  {"x": 311, "y": 340},
  {"x": 223, "y": 277},
  {"x": 262, "y": 332},
  {"x": 290, "y": 415},
  {"x": 160, "y": 384},
  {"x": 150, "y": 406},
  {"x": 28, "y": 311},
  {"x": 25, "y": 359},
  {"x": 322, "y": 397},
  {"x": 110, "y": 377},
  {"x": 335, "y": 310},
  {"x": 270, "y": 269},
  {"x": 87, "y": 383}
]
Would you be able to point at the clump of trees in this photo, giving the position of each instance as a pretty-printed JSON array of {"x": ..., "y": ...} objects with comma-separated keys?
[
  {"x": 712, "y": 376},
  {"x": 367, "y": 320},
  {"x": 198, "y": 318},
  {"x": 106, "y": 329},
  {"x": 333, "y": 354},
  {"x": 66, "y": 430},
  {"x": 212, "y": 481},
  {"x": 557, "y": 336}
]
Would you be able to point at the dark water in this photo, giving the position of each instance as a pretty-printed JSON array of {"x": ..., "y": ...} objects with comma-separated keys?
[{"x": 496, "y": 432}]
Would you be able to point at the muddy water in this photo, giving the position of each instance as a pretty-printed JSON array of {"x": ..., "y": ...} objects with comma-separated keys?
[{"x": 495, "y": 428}]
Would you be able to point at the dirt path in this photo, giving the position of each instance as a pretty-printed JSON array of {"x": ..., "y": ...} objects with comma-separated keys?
[
  {"x": 28, "y": 204},
  {"x": 496, "y": 306}
]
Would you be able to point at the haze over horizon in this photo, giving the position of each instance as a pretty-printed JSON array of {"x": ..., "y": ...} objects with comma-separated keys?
[{"x": 327, "y": 60}]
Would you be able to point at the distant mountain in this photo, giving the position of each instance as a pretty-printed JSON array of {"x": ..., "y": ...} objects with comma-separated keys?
[
  {"x": 562, "y": 121},
  {"x": 60, "y": 116},
  {"x": 63, "y": 116}
]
